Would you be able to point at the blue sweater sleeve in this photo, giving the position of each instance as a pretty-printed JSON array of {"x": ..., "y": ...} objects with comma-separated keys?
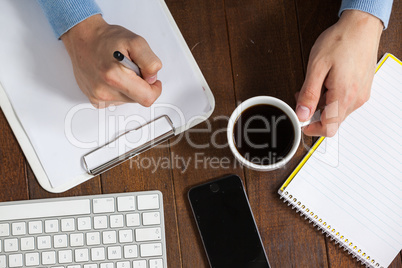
[
  {"x": 65, "y": 14},
  {"x": 379, "y": 8}
]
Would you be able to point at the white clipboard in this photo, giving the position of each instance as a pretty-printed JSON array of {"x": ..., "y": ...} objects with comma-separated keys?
[{"x": 52, "y": 119}]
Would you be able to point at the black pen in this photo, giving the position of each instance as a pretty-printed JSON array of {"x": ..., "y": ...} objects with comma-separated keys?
[{"x": 126, "y": 62}]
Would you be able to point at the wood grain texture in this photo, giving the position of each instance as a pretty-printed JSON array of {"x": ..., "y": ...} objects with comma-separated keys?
[
  {"x": 266, "y": 57},
  {"x": 203, "y": 26},
  {"x": 391, "y": 38},
  {"x": 89, "y": 187},
  {"x": 13, "y": 184},
  {"x": 142, "y": 174},
  {"x": 244, "y": 49},
  {"x": 314, "y": 17}
]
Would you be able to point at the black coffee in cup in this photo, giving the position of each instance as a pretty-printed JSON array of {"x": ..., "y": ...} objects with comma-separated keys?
[{"x": 263, "y": 134}]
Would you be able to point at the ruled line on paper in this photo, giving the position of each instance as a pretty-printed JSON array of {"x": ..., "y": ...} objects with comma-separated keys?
[{"x": 361, "y": 196}]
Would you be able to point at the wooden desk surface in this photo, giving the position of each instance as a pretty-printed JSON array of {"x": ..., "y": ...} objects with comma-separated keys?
[{"x": 244, "y": 49}]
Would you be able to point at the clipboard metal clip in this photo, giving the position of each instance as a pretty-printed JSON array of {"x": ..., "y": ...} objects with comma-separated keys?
[{"x": 111, "y": 154}]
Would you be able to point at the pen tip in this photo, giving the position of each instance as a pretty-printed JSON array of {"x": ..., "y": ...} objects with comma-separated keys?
[{"x": 119, "y": 56}]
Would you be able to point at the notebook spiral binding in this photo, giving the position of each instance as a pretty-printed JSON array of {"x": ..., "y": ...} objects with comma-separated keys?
[{"x": 329, "y": 231}]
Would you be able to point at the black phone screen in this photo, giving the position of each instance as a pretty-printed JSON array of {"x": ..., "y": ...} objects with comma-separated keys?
[{"x": 227, "y": 225}]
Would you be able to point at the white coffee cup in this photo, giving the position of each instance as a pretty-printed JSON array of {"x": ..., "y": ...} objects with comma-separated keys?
[{"x": 285, "y": 108}]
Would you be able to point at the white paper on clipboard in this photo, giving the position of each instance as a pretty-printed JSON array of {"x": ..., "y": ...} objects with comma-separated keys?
[{"x": 41, "y": 99}]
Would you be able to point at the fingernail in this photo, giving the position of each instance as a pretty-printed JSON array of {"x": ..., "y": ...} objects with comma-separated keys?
[
  {"x": 151, "y": 79},
  {"x": 302, "y": 112}
]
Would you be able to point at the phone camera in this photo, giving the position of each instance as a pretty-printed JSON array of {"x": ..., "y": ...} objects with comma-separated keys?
[{"x": 214, "y": 187}]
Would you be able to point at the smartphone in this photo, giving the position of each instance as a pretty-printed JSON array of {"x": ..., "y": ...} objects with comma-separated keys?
[{"x": 226, "y": 224}]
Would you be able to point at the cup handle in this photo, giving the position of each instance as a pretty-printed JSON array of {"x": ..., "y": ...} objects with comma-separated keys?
[{"x": 316, "y": 117}]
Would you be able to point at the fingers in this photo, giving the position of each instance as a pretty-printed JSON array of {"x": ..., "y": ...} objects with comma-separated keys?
[
  {"x": 140, "y": 52},
  {"x": 103, "y": 97},
  {"x": 334, "y": 111},
  {"x": 328, "y": 124},
  {"x": 344, "y": 96},
  {"x": 128, "y": 87},
  {"x": 143, "y": 90},
  {"x": 311, "y": 90},
  {"x": 139, "y": 90},
  {"x": 120, "y": 85}
]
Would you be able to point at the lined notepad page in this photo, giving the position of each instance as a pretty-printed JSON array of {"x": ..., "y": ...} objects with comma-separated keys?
[{"x": 353, "y": 181}]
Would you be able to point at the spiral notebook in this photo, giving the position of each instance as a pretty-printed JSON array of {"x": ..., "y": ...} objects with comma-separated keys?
[
  {"x": 350, "y": 186},
  {"x": 52, "y": 119}
]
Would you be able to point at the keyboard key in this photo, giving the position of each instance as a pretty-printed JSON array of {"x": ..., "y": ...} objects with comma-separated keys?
[
  {"x": 44, "y": 242},
  {"x": 15, "y": 260},
  {"x": 116, "y": 221},
  {"x": 114, "y": 253},
  {"x": 139, "y": 264},
  {"x": 84, "y": 223},
  {"x": 81, "y": 255},
  {"x": 133, "y": 219},
  {"x": 97, "y": 254},
  {"x": 126, "y": 203},
  {"x": 19, "y": 228},
  {"x": 65, "y": 256},
  {"x": 123, "y": 264},
  {"x": 48, "y": 257},
  {"x": 93, "y": 238},
  {"x": 35, "y": 227},
  {"x": 100, "y": 222},
  {"x": 149, "y": 250},
  {"x": 27, "y": 243},
  {"x": 156, "y": 263},
  {"x": 3, "y": 261},
  {"x": 4, "y": 229},
  {"x": 67, "y": 225},
  {"x": 90, "y": 266},
  {"x": 148, "y": 234},
  {"x": 51, "y": 226},
  {"x": 109, "y": 237},
  {"x": 11, "y": 245},
  {"x": 44, "y": 209},
  {"x": 125, "y": 236},
  {"x": 32, "y": 259},
  {"x": 96, "y": 237},
  {"x": 103, "y": 205},
  {"x": 148, "y": 201},
  {"x": 60, "y": 241},
  {"x": 130, "y": 251},
  {"x": 151, "y": 218},
  {"x": 76, "y": 240},
  {"x": 107, "y": 265}
]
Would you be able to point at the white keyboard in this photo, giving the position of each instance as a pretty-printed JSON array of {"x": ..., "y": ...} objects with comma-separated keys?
[{"x": 122, "y": 230}]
